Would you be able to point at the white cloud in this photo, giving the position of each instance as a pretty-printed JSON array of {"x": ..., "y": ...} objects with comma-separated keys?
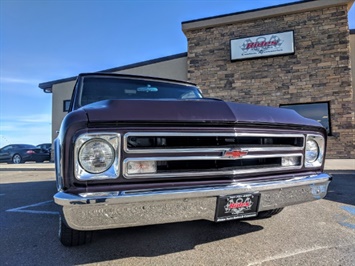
[
  {"x": 33, "y": 118},
  {"x": 6, "y": 127},
  {"x": 19, "y": 80},
  {"x": 39, "y": 118}
]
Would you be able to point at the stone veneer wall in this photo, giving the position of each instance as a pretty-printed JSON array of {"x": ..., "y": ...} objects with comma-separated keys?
[{"x": 318, "y": 71}]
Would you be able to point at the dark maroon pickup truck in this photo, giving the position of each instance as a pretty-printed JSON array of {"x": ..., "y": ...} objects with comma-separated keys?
[{"x": 136, "y": 151}]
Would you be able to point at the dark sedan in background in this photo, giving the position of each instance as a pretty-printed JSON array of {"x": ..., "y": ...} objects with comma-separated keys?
[{"x": 21, "y": 153}]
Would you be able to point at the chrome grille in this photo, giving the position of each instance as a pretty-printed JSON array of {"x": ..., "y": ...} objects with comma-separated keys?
[{"x": 206, "y": 154}]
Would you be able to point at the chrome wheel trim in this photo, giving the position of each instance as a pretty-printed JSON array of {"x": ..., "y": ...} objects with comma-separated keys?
[{"x": 16, "y": 159}]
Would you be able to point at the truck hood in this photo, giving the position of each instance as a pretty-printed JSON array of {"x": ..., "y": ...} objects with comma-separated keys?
[{"x": 191, "y": 111}]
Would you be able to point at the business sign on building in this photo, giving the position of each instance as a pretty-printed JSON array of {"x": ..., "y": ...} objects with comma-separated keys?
[{"x": 263, "y": 46}]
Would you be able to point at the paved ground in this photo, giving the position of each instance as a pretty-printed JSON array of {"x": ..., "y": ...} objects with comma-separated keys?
[{"x": 317, "y": 233}]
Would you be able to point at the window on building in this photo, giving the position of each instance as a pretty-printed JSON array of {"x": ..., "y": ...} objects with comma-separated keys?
[
  {"x": 66, "y": 105},
  {"x": 317, "y": 111}
]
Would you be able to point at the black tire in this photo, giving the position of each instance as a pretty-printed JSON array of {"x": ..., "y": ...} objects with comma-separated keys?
[
  {"x": 16, "y": 159},
  {"x": 70, "y": 237},
  {"x": 268, "y": 214}
]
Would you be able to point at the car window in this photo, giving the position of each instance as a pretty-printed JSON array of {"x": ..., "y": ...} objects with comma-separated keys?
[
  {"x": 25, "y": 146},
  {"x": 44, "y": 146},
  {"x": 7, "y": 148}
]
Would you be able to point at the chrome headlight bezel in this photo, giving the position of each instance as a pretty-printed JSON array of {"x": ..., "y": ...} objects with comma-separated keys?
[
  {"x": 112, "y": 172},
  {"x": 319, "y": 141}
]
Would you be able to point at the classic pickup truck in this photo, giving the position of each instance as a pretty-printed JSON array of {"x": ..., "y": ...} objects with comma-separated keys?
[{"x": 136, "y": 151}]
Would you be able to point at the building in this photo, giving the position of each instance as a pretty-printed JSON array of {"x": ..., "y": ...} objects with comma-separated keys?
[{"x": 299, "y": 56}]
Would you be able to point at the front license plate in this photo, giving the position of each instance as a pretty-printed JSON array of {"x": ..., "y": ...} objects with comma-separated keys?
[{"x": 237, "y": 206}]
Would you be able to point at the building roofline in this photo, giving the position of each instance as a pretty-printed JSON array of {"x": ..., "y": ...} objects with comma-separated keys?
[
  {"x": 352, "y": 31},
  {"x": 261, "y": 13},
  {"x": 148, "y": 62},
  {"x": 47, "y": 86}
]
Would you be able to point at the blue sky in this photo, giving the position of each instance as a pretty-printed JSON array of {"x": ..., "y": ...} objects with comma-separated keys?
[{"x": 45, "y": 40}]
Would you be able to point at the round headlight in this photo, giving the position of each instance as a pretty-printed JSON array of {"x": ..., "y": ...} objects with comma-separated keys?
[
  {"x": 96, "y": 156},
  {"x": 312, "y": 151}
]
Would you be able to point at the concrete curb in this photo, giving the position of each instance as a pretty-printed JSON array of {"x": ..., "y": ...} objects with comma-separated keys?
[
  {"x": 27, "y": 167},
  {"x": 340, "y": 164}
]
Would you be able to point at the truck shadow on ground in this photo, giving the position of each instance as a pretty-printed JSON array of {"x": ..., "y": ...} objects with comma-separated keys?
[
  {"x": 341, "y": 189},
  {"x": 156, "y": 240}
]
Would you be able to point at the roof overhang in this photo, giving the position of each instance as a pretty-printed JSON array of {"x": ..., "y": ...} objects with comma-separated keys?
[
  {"x": 47, "y": 86},
  {"x": 263, "y": 13}
]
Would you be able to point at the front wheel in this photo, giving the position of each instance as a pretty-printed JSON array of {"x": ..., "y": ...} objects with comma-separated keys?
[
  {"x": 16, "y": 159},
  {"x": 70, "y": 237}
]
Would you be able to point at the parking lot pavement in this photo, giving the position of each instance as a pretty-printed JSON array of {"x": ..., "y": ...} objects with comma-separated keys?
[{"x": 316, "y": 233}]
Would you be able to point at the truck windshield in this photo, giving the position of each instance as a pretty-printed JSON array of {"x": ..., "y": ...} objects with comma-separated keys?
[{"x": 94, "y": 89}]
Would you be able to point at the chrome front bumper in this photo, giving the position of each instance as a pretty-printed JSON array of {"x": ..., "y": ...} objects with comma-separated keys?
[{"x": 95, "y": 211}]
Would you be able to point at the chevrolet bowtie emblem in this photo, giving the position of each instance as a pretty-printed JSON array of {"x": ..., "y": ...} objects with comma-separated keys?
[{"x": 234, "y": 154}]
